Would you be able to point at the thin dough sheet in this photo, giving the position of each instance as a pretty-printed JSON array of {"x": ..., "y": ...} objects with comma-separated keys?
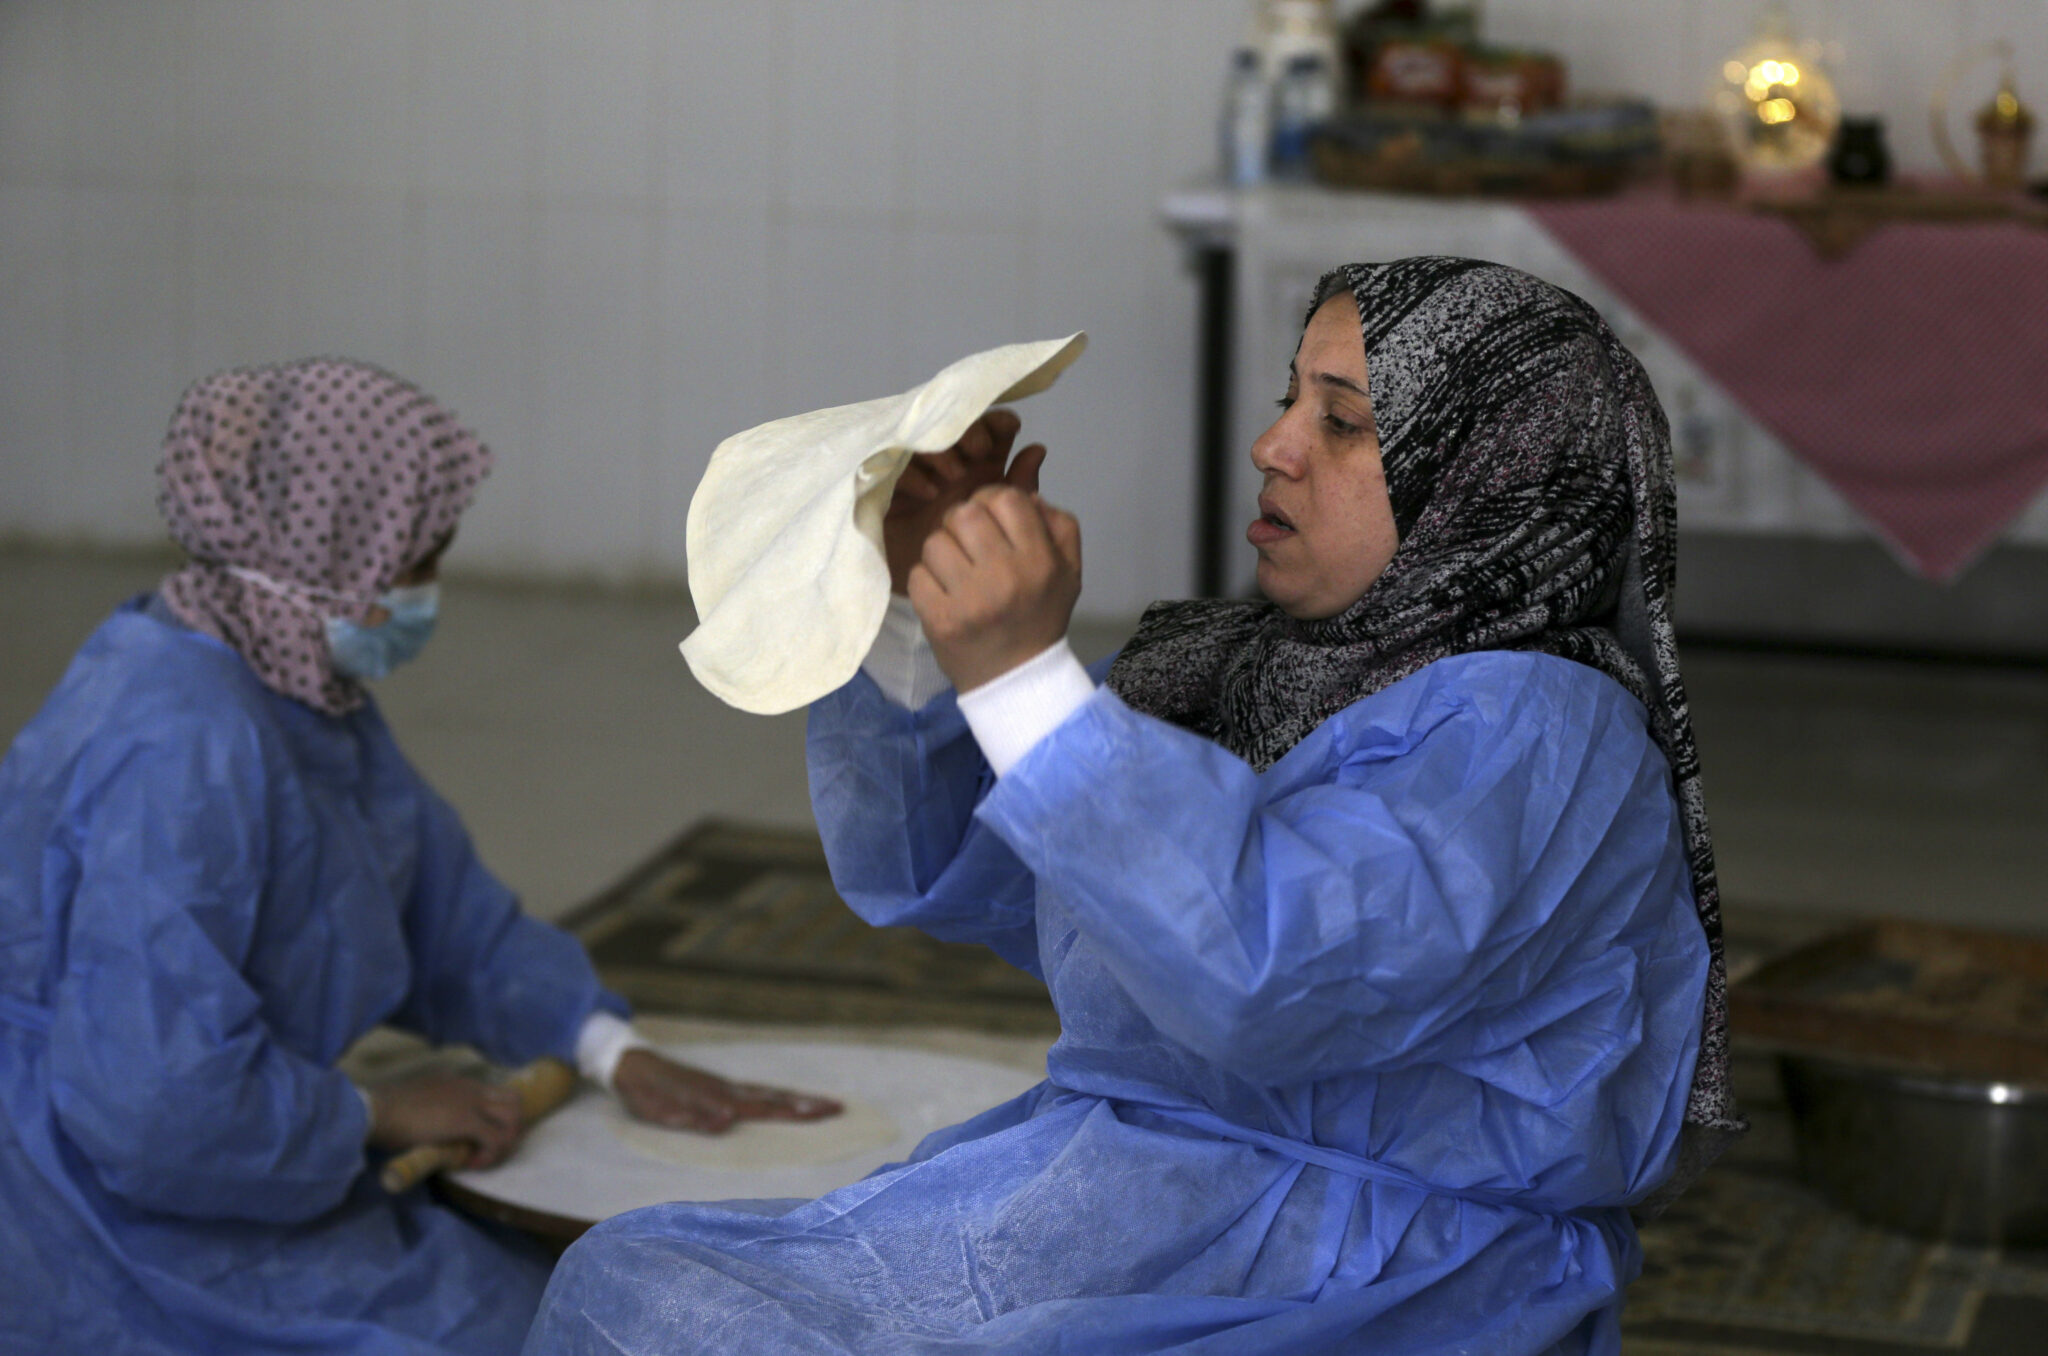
[
  {"x": 590, "y": 1160},
  {"x": 766, "y": 1146},
  {"x": 785, "y": 531}
]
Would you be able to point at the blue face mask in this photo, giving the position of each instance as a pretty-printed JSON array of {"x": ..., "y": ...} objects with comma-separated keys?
[{"x": 361, "y": 651}]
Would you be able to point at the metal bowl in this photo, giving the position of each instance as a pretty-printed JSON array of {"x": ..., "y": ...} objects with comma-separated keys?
[{"x": 1957, "y": 1159}]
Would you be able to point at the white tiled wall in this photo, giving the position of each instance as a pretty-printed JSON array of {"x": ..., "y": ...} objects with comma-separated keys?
[{"x": 610, "y": 232}]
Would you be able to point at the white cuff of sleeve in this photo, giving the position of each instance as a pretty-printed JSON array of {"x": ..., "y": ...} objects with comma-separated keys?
[
  {"x": 901, "y": 660},
  {"x": 1010, "y": 714},
  {"x": 605, "y": 1037}
]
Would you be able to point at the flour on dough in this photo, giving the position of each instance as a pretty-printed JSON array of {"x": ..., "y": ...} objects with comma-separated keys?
[
  {"x": 784, "y": 542},
  {"x": 755, "y": 1146}
]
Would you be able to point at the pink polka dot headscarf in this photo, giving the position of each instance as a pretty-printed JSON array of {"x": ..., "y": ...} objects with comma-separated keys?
[{"x": 302, "y": 491}]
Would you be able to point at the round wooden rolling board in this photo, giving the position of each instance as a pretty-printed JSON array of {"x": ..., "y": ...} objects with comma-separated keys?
[{"x": 580, "y": 1165}]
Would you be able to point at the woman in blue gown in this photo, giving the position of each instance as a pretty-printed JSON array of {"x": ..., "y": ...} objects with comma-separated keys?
[
  {"x": 217, "y": 871},
  {"x": 1379, "y": 916}
]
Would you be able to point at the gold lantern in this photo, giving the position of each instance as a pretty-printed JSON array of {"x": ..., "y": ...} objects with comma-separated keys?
[
  {"x": 2005, "y": 126},
  {"x": 1777, "y": 103}
]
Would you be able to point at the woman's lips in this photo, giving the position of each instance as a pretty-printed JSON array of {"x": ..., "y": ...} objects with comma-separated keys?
[
  {"x": 1270, "y": 526},
  {"x": 1266, "y": 529}
]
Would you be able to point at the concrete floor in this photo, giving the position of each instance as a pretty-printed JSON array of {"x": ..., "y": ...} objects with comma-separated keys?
[{"x": 570, "y": 734}]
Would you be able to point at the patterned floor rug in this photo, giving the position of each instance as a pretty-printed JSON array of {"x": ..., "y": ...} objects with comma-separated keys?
[{"x": 741, "y": 923}]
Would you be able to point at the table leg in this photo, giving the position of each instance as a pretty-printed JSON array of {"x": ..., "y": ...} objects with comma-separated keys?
[{"x": 1215, "y": 265}]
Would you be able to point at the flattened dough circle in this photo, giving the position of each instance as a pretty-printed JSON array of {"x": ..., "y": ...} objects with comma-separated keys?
[
  {"x": 756, "y": 1146},
  {"x": 785, "y": 530}
]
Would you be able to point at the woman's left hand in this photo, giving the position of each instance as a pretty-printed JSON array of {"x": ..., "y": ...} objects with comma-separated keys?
[
  {"x": 997, "y": 583},
  {"x": 663, "y": 1092},
  {"x": 935, "y": 482}
]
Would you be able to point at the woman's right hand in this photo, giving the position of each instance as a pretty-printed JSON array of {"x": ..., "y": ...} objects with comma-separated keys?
[
  {"x": 439, "y": 1108},
  {"x": 936, "y": 481}
]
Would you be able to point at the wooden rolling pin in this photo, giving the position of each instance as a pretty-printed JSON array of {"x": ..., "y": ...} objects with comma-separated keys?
[{"x": 542, "y": 1087}]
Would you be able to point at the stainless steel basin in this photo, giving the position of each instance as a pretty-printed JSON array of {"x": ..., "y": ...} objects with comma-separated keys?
[{"x": 1959, "y": 1159}]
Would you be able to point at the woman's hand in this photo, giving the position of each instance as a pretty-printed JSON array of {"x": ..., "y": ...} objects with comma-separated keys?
[
  {"x": 997, "y": 583},
  {"x": 439, "y": 1108},
  {"x": 937, "y": 481},
  {"x": 664, "y": 1092}
]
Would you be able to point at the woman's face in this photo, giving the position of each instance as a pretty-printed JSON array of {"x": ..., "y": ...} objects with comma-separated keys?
[
  {"x": 425, "y": 572},
  {"x": 1326, "y": 527}
]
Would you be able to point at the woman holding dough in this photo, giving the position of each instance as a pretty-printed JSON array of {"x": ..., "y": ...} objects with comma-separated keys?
[
  {"x": 217, "y": 871},
  {"x": 1379, "y": 915}
]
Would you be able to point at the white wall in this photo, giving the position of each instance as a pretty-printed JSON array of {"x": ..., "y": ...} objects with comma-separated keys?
[{"x": 610, "y": 232}]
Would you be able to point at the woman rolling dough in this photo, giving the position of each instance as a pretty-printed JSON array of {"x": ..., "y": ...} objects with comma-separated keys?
[{"x": 217, "y": 871}]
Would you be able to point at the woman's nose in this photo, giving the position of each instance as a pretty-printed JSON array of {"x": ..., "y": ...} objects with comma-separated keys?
[{"x": 1277, "y": 450}]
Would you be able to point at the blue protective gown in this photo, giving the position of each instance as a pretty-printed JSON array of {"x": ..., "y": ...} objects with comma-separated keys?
[
  {"x": 207, "y": 891},
  {"x": 1366, "y": 1053}
]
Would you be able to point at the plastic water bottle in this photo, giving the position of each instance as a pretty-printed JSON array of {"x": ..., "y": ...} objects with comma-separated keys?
[
  {"x": 1247, "y": 121},
  {"x": 1303, "y": 97}
]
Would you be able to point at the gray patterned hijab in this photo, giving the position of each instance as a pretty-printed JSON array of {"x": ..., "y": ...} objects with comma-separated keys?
[{"x": 1529, "y": 467}]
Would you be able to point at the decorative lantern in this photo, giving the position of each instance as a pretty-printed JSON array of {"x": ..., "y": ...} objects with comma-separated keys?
[
  {"x": 2005, "y": 126},
  {"x": 1776, "y": 102}
]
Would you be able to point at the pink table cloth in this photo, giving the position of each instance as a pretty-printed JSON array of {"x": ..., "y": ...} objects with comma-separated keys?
[{"x": 1911, "y": 373}]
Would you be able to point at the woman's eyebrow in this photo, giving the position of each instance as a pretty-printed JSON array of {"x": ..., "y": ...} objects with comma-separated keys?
[
  {"x": 1332, "y": 379},
  {"x": 1327, "y": 379}
]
